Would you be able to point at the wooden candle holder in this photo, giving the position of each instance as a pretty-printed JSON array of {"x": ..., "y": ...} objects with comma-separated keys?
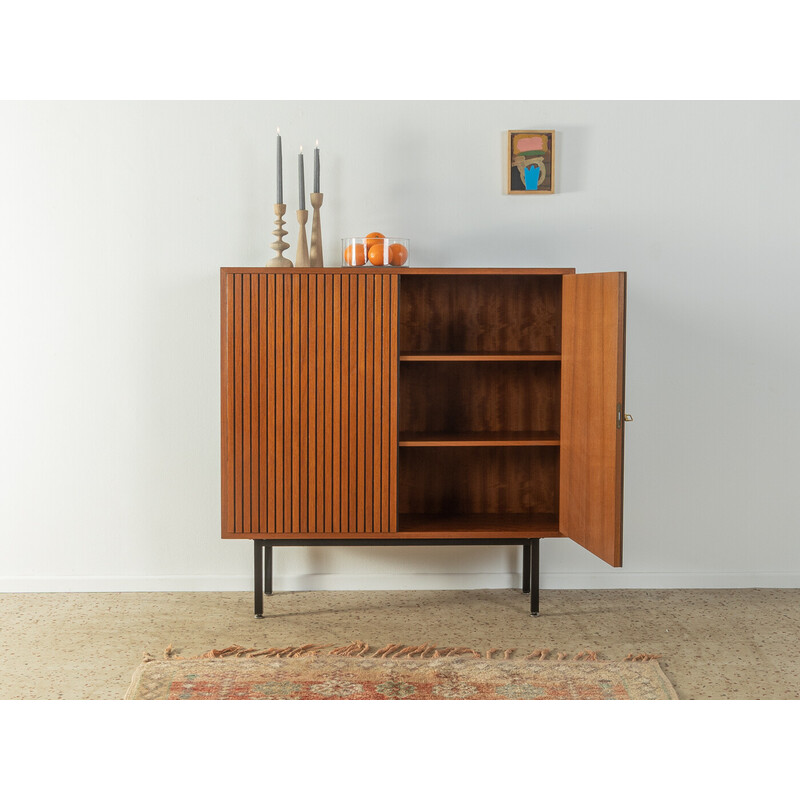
[
  {"x": 302, "y": 243},
  {"x": 279, "y": 245},
  {"x": 316, "y": 231}
]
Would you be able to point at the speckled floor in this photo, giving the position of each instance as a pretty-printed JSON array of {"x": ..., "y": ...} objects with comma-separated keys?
[{"x": 715, "y": 644}]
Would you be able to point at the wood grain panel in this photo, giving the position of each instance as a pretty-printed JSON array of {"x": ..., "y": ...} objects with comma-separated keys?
[
  {"x": 479, "y": 480},
  {"x": 467, "y": 313},
  {"x": 592, "y": 397},
  {"x": 478, "y": 396}
]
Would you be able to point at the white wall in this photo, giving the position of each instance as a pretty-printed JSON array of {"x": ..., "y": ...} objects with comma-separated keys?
[{"x": 116, "y": 216}]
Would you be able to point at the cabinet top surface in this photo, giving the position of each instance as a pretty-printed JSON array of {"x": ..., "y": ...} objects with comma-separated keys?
[{"x": 402, "y": 270}]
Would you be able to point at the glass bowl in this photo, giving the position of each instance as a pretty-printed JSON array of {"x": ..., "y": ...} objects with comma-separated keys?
[{"x": 374, "y": 251}]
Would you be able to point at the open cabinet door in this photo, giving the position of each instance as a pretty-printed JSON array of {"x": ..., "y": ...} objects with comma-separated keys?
[{"x": 593, "y": 412}]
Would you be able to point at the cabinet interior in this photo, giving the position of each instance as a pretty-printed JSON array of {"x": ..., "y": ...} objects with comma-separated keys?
[{"x": 479, "y": 398}]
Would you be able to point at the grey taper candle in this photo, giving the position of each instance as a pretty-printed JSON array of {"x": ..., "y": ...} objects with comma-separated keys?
[
  {"x": 301, "y": 180},
  {"x": 316, "y": 167},
  {"x": 280, "y": 169}
]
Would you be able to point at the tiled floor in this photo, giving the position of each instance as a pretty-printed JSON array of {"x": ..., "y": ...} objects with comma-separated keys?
[{"x": 714, "y": 644}]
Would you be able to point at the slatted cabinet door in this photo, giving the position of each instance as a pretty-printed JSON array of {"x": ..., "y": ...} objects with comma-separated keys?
[{"x": 309, "y": 403}]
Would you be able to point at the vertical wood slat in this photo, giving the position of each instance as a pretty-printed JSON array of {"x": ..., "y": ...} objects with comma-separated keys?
[
  {"x": 270, "y": 404},
  {"x": 278, "y": 407},
  {"x": 287, "y": 404},
  {"x": 369, "y": 387},
  {"x": 311, "y": 409},
  {"x": 352, "y": 404},
  {"x": 377, "y": 432},
  {"x": 304, "y": 337},
  {"x": 361, "y": 395},
  {"x": 263, "y": 414},
  {"x": 336, "y": 492},
  {"x": 246, "y": 396},
  {"x": 255, "y": 384},
  {"x": 295, "y": 405},
  {"x": 320, "y": 448},
  {"x": 228, "y": 404},
  {"x": 237, "y": 424},
  {"x": 386, "y": 321},
  {"x": 393, "y": 448},
  {"x": 328, "y": 525},
  {"x": 344, "y": 386}
]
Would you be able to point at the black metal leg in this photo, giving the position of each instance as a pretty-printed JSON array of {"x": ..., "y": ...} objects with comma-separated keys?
[
  {"x": 526, "y": 568},
  {"x": 267, "y": 569},
  {"x": 534, "y": 577},
  {"x": 258, "y": 578}
]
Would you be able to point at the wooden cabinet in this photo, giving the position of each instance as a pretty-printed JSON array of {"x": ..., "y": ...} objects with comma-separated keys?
[{"x": 391, "y": 406}]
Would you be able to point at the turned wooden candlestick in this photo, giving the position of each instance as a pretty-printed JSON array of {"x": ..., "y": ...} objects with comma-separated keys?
[
  {"x": 316, "y": 231},
  {"x": 301, "y": 260},
  {"x": 279, "y": 245}
]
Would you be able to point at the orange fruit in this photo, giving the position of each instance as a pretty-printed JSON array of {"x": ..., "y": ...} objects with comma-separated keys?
[
  {"x": 355, "y": 255},
  {"x": 375, "y": 255},
  {"x": 398, "y": 255},
  {"x": 373, "y": 238}
]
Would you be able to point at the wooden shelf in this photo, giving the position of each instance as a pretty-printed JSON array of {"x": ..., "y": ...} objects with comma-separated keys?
[
  {"x": 477, "y": 356},
  {"x": 478, "y": 523},
  {"x": 479, "y": 439}
]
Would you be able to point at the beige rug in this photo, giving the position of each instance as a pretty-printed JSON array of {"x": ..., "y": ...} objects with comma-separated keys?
[{"x": 396, "y": 672}]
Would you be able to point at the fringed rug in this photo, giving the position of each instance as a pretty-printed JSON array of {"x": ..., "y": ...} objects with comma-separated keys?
[{"x": 396, "y": 672}]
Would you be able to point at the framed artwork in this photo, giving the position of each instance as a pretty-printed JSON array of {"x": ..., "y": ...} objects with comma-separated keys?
[{"x": 530, "y": 162}]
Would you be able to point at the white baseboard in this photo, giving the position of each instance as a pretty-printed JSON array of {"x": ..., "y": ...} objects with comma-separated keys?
[{"x": 339, "y": 582}]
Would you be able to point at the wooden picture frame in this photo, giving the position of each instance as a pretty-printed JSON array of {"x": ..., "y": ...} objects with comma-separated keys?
[{"x": 530, "y": 158}]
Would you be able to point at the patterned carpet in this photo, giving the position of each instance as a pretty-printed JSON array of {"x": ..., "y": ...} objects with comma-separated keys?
[{"x": 396, "y": 672}]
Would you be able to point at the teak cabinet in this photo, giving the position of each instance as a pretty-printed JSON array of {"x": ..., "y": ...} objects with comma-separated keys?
[{"x": 422, "y": 406}]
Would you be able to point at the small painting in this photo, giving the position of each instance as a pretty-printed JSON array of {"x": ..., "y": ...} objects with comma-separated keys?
[{"x": 530, "y": 162}]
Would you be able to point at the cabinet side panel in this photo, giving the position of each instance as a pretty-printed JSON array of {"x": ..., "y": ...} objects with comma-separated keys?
[{"x": 591, "y": 401}]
